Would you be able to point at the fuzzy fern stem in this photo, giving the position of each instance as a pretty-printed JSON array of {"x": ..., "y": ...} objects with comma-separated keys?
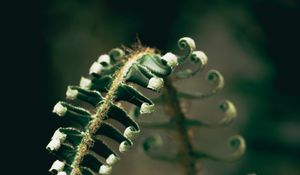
[
  {"x": 103, "y": 108},
  {"x": 172, "y": 108}
]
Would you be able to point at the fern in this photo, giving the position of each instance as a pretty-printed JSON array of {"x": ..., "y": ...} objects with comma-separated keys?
[{"x": 79, "y": 148}]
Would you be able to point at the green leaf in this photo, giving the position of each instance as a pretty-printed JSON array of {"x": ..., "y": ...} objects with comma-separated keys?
[
  {"x": 103, "y": 150},
  {"x": 66, "y": 152},
  {"x": 100, "y": 84},
  {"x": 74, "y": 136},
  {"x": 156, "y": 65},
  {"x": 93, "y": 162},
  {"x": 112, "y": 133},
  {"x": 131, "y": 95},
  {"x": 77, "y": 114},
  {"x": 138, "y": 76},
  {"x": 116, "y": 54},
  {"x": 90, "y": 96},
  {"x": 121, "y": 116}
]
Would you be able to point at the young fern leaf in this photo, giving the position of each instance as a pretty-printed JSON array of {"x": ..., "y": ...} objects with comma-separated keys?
[
  {"x": 179, "y": 124},
  {"x": 79, "y": 148}
]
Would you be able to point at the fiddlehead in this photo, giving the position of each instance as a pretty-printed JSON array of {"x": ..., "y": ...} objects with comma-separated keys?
[
  {"x": 81, "y": 150},
  {"x": 78, "y": 148},
  {"x": 181, "y": 125}
]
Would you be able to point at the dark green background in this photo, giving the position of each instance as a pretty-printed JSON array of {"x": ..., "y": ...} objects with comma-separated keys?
[{"x": 255, "y": 44}]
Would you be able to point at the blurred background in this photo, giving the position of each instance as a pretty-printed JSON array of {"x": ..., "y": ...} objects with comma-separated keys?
[{"x": 254, "y": 44}]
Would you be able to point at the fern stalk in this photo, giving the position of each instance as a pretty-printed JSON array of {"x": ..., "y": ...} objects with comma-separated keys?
[
  {"x": 103, "y": 108},
  {"x": 173, "y": 109}
]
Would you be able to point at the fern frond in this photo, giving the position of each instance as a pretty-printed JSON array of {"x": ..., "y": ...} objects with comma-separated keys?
[{"x": 79, "y": 148}]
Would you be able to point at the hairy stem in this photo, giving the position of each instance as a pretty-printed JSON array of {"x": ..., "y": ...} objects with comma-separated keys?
[
  {"x": 172, "y": 108},
  {"x": 102, "y": 109}
]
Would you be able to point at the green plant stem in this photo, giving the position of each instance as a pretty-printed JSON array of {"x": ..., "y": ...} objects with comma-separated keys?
[
  {"x": 102, "y": 110},
  {"x": 173, "y": 109}
]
